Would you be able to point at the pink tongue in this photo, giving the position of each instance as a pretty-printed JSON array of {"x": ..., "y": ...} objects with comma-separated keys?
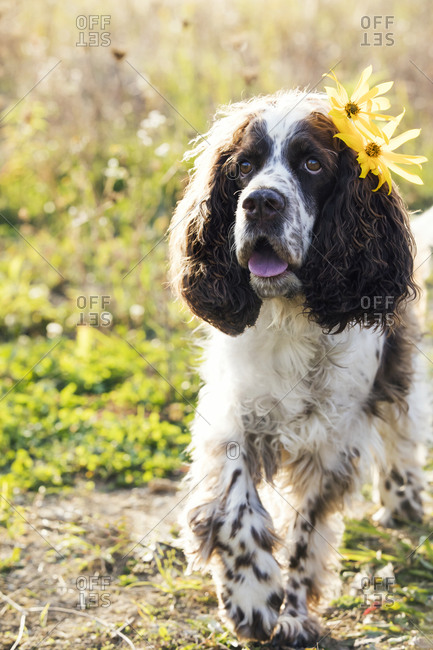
[{"x": 266, "y": 264}]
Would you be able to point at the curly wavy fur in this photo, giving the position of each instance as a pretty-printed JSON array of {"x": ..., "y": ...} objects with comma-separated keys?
[
  {"x": 205, "y": 271},
  {"x": 359, "y": 268}
]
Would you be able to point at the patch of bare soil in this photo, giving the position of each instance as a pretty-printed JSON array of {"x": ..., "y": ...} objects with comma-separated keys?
[{"x": 101, "y": 570}]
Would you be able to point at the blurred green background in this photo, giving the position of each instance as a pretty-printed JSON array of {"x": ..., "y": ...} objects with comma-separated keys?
[{"x": 92, "y": 139}]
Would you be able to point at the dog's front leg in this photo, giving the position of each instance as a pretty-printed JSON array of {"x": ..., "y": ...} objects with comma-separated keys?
[{"x": 228, "y": 530}]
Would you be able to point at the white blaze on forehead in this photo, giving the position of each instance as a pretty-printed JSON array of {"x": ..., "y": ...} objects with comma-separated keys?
[{"x": 281, "y": 118}]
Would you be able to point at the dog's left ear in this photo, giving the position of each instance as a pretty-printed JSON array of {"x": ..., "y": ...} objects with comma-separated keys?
[{"x": 360, "y": 263}]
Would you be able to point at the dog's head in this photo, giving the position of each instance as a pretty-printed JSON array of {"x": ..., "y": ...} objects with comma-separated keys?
[{"x": 276, "y": 208}]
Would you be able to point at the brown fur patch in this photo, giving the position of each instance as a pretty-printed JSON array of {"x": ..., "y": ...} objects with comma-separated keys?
[{"x": 394, "y": 376}]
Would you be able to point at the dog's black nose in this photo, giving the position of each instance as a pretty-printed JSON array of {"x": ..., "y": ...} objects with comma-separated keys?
[{"x": 263, "y": 204}]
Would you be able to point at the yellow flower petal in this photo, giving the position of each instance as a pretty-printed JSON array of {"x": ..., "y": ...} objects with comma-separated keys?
[
  {"x": 389, "y": 128},
  {"x": 413, "y": 178},
  {"x": 380, "y": 183},
  {"x": 385, "y": 177},
  {"x": 369, "y": 128},
  {"x": 343, "y": 124},
  {"x": 340, "y": 89},
  {"x": 332, "y": 93},
  {"x": 369, "y": 95},
  {"x": 379, "y": 116},
  {"x": 351, "y": 140},
  {"x": 381, "y": 104},
  {"x": 404, "y": 159},
  {"x": 384, "y": 87},
  {"x": 365, "y": 75},
  {"x": 403, "y": 137}
]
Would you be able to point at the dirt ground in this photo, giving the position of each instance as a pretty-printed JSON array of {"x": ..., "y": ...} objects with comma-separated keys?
[{"x": 100, "y": 570}]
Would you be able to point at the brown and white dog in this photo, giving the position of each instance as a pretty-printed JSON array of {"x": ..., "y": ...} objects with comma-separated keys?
[{"x": 311, "y": 371}]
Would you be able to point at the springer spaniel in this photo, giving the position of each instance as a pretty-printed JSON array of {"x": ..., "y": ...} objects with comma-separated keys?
[{"x": 311, "y": 371}]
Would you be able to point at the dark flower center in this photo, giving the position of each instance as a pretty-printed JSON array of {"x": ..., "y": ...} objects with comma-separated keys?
[
  {"x": 372, "y": 149},
  {"x": 351, "y": 109}
]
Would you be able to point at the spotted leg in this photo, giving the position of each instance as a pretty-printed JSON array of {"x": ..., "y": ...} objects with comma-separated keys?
[
  {"x": 400, "y": 479},
  {"x": 313, "y": 537},
  {"x": 229, "y": 531},
  {"x": 404, "y": 425}
]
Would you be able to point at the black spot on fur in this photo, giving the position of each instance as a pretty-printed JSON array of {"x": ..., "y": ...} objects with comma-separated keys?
[
  {"x": 235, "y": 477},
  {"x": 262, "y": 457},
  {"x": 224, "y": 547},
  {"x": 410, "y": 512},
  {"x": 225, "y": 597},
  {"x": 293, "y": 599},
  {"x": 306, "y": 526},
  {"x": 275, "y": 600},
  {"x": 244, "y": 560},
  {"x": 229, "y": 574},
  {"x": 313, "y": 594},
  {"x": 387, "y": 484},
  {"x": 237, "y": 523},
  {"x": 265, "y": 539},
  {"x": 300, "y": 554},
  {"x": 205, "y": 525},
  {"x": 312, "y": 515},
  {"x": 262, "y": 576},
  {"x": 397, "y": 477},
  {"x": 239, "y": 614},
  {"x": 257, "y": 629}
]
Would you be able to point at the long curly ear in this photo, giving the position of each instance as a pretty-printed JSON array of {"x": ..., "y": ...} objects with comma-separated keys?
[
  {"x": 360, "y": 264},
  {"x": 204, "y": 268}
]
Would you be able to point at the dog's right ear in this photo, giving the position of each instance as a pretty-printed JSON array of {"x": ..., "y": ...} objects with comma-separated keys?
[{"x": 204, "y": 268}]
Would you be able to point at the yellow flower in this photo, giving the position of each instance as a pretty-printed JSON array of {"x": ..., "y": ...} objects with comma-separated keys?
[
  {"x": 363, "y": 104},
  {"x": 376, "y": 154}
]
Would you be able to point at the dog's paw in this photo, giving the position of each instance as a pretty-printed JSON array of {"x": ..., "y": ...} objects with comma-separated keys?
[
  {"x": 297, "y": 631},
  {"x": 253, "y": 617}
]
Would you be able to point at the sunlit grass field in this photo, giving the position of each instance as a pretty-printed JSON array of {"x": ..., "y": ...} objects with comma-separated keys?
[{"x": 98, "y": 373}]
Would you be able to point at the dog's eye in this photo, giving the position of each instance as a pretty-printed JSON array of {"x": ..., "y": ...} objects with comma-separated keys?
[
  {"x": 245, "y": 167},
  {"x": 313, "y": 165}
]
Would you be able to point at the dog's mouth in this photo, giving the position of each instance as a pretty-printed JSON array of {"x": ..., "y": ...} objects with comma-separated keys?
[{"x": 264, "y": 261}]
